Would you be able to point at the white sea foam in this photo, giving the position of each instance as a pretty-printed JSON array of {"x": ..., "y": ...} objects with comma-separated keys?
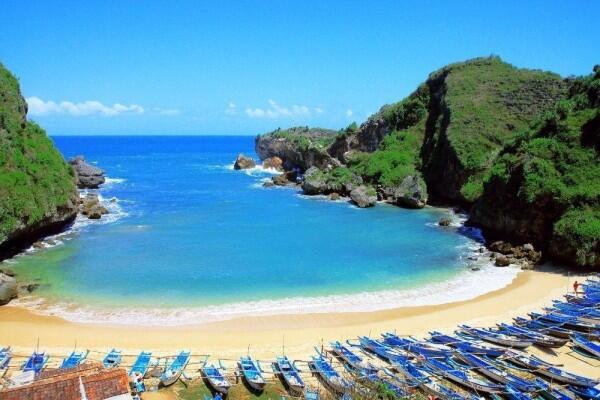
[
  {"x": 464, "y": 286},
  {"x": 112, "y": 181}
]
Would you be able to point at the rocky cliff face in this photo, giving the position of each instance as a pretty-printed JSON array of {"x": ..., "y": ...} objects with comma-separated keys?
[{"x": 38, "y": 194}]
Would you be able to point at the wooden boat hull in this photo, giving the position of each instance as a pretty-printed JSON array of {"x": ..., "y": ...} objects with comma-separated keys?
[
  {"x": 595, "y": 351},
  {"x": 468, "y": 384},
  {"x": 168, "y": 381}
]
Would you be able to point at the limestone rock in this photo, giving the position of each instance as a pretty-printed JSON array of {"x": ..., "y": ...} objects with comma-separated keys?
[
  {"x": 502, "y": 261},
  {"x": 364, "y": 196},
  {"x": 8, "y": 288},
  {"x": 243, "y": 162},
  {"x": 411, "y": 193},
  {"x": 334, "y": 196},
  {"x": 273, "y": 163},
  {"x": 444, "y": 222},
  {"x": 88, "y": 176}
]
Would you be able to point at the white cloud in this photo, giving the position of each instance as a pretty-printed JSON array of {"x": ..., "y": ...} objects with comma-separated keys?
[
  {"x": 275, "y": 111},
  {"x": 231, "y": 109},
  {"x": 37, "y": 106},
  {"x": 349, "y": 113},
  {"x": 319, "y": 110}
]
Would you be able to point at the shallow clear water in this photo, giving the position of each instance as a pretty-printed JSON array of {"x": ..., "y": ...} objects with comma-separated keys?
[{"x": 189, "y": 232}]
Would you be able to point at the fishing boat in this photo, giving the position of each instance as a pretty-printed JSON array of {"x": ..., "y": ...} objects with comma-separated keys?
[
  {"x": 423, "y": 378},
  {"x": 587, "y": 345},
  {"x": 585, "y": 301},
  {"x": 580, "y": 315},
  {"x": 546, "y": 369},
  {"x": 351, "y": 359},
  {"x": 512, "y": 393},
  {"x": 141, "y": 365},
  {"x": 289, "y": 373},
  {"x": 463, "y": 377},
  {"x": 496, "y": 337},
  {"x": 36, "y": 362},
  {"x": 74, "y": 359},
  {"x": 589, "y": 311},
  {"x": 419, "y": 348},
  {"x": 381, "y": 350},
  {"x": 566, "y": 321},
  {"x": 467, "y": 345},
  {"x": 5, "y": 356},
  {"x": 495, "y": 373},
  {"x": 544, "y": 327},
  {"x": 175, "y": 368},
  {"x": 320, "y": 366},
  {"x": 538, "y": 338},
  {"x": 215, "y": 379},
  {"x": 252, "y": 373},
  {"x": 112, "y": 359},
  {"x": 553, "y": 392},
  {"x": 587, "y": 393}
]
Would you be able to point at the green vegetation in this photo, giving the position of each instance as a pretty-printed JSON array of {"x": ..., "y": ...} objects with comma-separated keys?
[
  {"x": 35, "y": 181},
  {"x": 304, "y": 137},
  {"x": 557, "y": 166}
]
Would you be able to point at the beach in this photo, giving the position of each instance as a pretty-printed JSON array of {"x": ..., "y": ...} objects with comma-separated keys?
[{"x": 297, "y": 335}]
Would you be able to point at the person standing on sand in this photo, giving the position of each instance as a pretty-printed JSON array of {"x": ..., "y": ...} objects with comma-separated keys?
[{"x": 575, "y": 287}]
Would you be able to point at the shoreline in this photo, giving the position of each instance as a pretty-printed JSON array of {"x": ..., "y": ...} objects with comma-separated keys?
[{"x": 266, "y": 335}]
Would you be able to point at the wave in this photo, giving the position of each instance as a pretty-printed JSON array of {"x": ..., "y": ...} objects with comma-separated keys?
[
  {"x": 465, "y": 286},
  {"x": 108, "y": 181}
]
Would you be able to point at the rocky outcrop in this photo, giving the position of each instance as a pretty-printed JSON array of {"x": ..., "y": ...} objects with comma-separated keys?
[
  {"x": 38, "y": 195},
  {"x": 87, "y": 175},
  {"x": 411, "y": 193},
  {"x": 243, "y": 162},
  {"x": 444, "y": 222},
  {"x": 298, "y": 148},
  {"x": 92, "y": 207},
  {"x": 524, "y": 255},
  {"x": 364, "y": 196},
  {"x": 275, "y": 163},
  {"x": 314, "y": 182},
  {"x": 8, "y": 288}
]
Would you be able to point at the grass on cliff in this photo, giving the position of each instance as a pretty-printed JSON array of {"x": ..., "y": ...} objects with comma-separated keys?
[
  {"x": 304, "y": 137},
  {"x": 34, "y": 179}
]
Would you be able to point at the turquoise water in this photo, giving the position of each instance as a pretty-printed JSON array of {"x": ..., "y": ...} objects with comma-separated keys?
[{"x": 187, "y": 233}]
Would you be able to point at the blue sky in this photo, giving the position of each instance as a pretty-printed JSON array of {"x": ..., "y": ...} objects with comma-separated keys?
[{"x": 201, "y": 67}]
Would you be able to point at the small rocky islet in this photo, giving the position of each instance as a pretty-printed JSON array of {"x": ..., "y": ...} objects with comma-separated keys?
[{"x": 517, "y": 149}]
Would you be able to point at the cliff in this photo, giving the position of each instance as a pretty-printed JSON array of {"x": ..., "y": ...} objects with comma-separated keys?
[
  {"x": 545, "y": 185},
  {"x": 38, "y": 195},
  {"x": 470, "y": 136}
]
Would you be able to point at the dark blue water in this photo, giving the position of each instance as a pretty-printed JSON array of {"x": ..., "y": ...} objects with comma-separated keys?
[{"x": 187, "y": 232}]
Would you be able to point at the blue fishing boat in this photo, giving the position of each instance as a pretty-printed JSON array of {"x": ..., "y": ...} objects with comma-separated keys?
[
  {"x": 581, "y": 316},
  {"x": 320, "y": 366},
  {"x": 512, "y": 393},
  {"x": 381, "y": 350},
  {"x": 141, "y": 365},
  {"x": 468, "y": 346},
  {"x": 495, "y": 373},
  {"x": 5, "y": 357},
  {"x": 419, "y": 348},
  {"x": 544, "y": 327},
  {"x": 74, "y": 359},
  {"x": 587, "y": 393},
  {"x": 289, "y": 373},
  {"x": 567, "y": 321},
  {"x": 538, "y": 338},
  {"x": 463, "y": 376},
  {"x": 589, "y": 311},
  {"x": 587, "y": 345},
  {"x": 112, "y": 359},
  {"x": 496, "y": 337},
  {"x": 553, "y": 392},
  {"x": 252, "y": 373},
  {"x": 215, "y": 379},
  {"x": 36, "y": 362},
  {"x": 173, "y": 370},
  {"x": 351, "y": 359},
  {"x": 541, "y": 367},
  {"x": 585, "y": 301},
  {"x": 422, "y": 377}
]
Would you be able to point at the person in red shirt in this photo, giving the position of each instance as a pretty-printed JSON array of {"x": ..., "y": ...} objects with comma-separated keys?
[{"x": 575, "y": 287}]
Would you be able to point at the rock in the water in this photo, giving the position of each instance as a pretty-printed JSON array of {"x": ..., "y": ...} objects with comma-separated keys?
[
  {"x": 38, "y": 245},
  {"x": 8, "y": 288},
  {"x": 88, "y": 176},
  {"x": 243, "y": 162},
  {"x": 268, "y": 184},
  {"x": 444, "y": 222},
  {"x": 334, "y": 196},
  {"x": 280, "y": 180},
  {"x": 314, "y": 182},
  {"x": 91, "y": 206},
  {"x": 501, "y": 247},
  {"x": 364, "y": 196},
  {"x": 528, "y": 247},
  {"x": 411, "y": 193},
  {"x": 502, "y": 261},
  {"x": 8, "y": 272},
  {"x": 273, "y": 163},
  {"x": 29, "y": 288}
]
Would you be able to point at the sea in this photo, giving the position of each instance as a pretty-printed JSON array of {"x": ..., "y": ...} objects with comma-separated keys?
[{"x": 190, "y": 240}]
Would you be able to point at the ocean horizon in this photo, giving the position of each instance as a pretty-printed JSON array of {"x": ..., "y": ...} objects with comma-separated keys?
[{"x": 191, "y": 240}]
